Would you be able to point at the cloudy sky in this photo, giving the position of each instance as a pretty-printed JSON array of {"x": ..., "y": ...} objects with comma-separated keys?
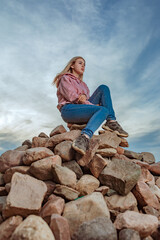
[{"x": 120, "y": 40}]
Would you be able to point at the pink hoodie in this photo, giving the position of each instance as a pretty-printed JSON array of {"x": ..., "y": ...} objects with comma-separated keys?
[{"x": 69, "y": 90}]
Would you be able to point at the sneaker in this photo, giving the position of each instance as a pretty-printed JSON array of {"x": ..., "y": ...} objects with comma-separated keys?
[
  {"x": 114, "y": 126},
  {"x": 81, "y": 144}
]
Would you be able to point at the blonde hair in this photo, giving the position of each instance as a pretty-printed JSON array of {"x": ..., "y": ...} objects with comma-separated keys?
[{"x": 67, "y": 69}]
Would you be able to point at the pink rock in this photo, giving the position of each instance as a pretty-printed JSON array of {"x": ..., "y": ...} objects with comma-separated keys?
[
  {"x": 58, "y": 130},
  {"x": 123, "y": 142},
  {"x": 120, "y": 150},
  {"x": 9, "y": 172},
  {"x": 60, "y": 227},
  {"x": 141, "y": 164},
  {"x": 87, "y": 184},
  {"x": 148, "y": 157},
  {"x": 35, "y": 154},
  {"x": 97, "y": 164},
  {"x": 108, "y": 139},
  {"x": 121, "y": 156},
  {"x": 25, "y": 197},
  {"x": 41, "y": 169},
  {"x": 66, "y": 192},
  {"x": 158, "y": 182},
  {"x": 65, "y": 150},
  {"x": 146, "y": 176},
  {"x": 155, "y": 168},
  {"x": 10, "y": 159},
  {"x": 53, "y": 141},
  {"x": 144, "y": 195},
  {"x": 50, "y": 189},
  {"x": 145, "y": 224},
  {"x": 53, "y": 205},
  {"x": 39, "y": 142},
  {"x": 8, "y": 227}
]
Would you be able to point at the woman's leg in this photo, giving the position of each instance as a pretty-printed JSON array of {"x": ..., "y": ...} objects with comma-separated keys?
[
  {"x": 102, "y": 97},
  {"x": 81, "y": 113}
]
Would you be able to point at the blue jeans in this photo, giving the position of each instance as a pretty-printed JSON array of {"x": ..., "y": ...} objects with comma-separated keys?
[{"x": 91, "y": 114}]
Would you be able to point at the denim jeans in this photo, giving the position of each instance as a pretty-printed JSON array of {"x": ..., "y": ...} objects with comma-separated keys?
[{"x": 91, "y": 114}]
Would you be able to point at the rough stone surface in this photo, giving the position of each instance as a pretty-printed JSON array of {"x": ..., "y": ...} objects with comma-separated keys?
[
  {"x": 64, "y": 176},
  {"x": 60, "y": 227},
  {"x": 73, "y": 165},
  {"x": 103, "y": 190},
  {"x": 22, "y": 148},
  {"x": 108, "y": 139},
  {"x": 3, "y": 191},
  {"x": 41, "y": 169},
  {"x": 66, "y": 192},
  {"x": 50, "y": 188},
  {"x": 33, "y": 228},
  {"x": 143, "y": 223},
  {"x": 141, "y": 164},
  {"x": 146, "y": 176},
  {"x": 106, "y": 152},
  {"x": 120, "y": 175},
  {"x": 87, "y": 157},
  {"x": 39, "y": 142},
  {"x": 148, "y": 157},
  {"x": 25, "y": 197},
  {"x": 144, "y": 195},
  {"x": 8, "y": 227},
  {"x": 87, "y": 184},
  {"x": 53, "y": 141},
  {"x": 85, "y": 209},
  {"x": 9, "y": 172},
  {"x": 35, "y": 154},
  {"x": 10, "y": 159},
  {"x": 100, "y": 228},
  {"x": 158, "y": 182},
  {"x": 8, "y": 187},
  {"x": 53, "y": 205},
  {"x": 152, "y": 211},
  {"x": 65, "y": 150},
  {"x": 58, "y": 130},
  {"x": 121, "y": 203},
  {"x": 129, "y": 234},
  {"x": 2, "y": 202},
  {"x": 120, "y": 150},
  {"x": 97, "y": 164},
  {"x": 155, "y": 190},
  {"x": 134, "y": 155},
  {"x": 1, "y": 179},
  {"x": 43, "y": 135},
  {"x": 28, "y": 143},
  {"x": 155, "y": 168},
  {"x": 123, "y": 142}
]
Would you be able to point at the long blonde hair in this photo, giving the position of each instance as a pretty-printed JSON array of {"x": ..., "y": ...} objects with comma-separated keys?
[{"x": 67, "y": 69}]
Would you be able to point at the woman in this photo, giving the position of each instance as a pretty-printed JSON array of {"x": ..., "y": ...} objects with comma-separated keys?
[{"x": 77, "y": 106}]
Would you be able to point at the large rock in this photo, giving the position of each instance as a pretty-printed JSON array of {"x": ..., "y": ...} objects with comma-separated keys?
[
  {"x": 9, "y": 172},
  {"x": 35, "y": 154},
  {"x": 129, "y": 234},
  {"x": 53, "y": 205},
  {"x": 8, "y": 227},
  {"x": 33, "y": 228},
  {"x": 25, "y": 197},
  {"x": 42, "y": 170},
  {"x": 97, "y": 164},
  {"x": 108, "y": 139},
  {"x": 121, "y": 203},
  {"x": 123, "y": 142},
  {"x": 73, "y": 165},
  {"x": 1, "y": 179},
  {"x": 50, "y": 188},
  {"x": 120, "y": 175},
  {"x": 10, "y": 159},
  {"x": 60, "y": 227},
  {"x": 146, "y": 176},
  {"x": 145, "y": 196},
  {"x": 66, "y": 192},
  {"x": 65, "y": 150},
  {"x": 107, "y": 152},
  {"x": 58, "y": 130},
  {"x": 87, "y": 184},
  {"x": 64, "y": 176},
  {"x": 85, "y": 209},
  {"x": 158, "y": 182},
  {"x": 2, "y": 202},
  {"x": 100, "y": 228},
  {"x": 53, "y": 141},
  {"x": 39, "y": 142},
  {"x": 145, "y": 224},
  {"x": 155, "y": 168},
  {"x": 134, "y": 155},
  {"x": 148, "y": 157}
]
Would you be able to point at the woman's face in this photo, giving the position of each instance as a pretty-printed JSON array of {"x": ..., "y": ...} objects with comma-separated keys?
[{"x": 78, "y": 67}]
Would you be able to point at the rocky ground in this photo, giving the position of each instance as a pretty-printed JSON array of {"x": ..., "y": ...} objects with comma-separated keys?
[{"x": 48, "y": 191}]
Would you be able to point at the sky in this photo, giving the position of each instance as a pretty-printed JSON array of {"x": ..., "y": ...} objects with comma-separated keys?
[{"x": 120, "y": 41}]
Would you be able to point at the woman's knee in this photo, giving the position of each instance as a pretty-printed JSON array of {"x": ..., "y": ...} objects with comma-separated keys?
[{"x": 104, "y": 88}]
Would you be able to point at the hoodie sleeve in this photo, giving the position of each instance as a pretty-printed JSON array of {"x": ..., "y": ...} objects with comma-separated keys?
[{"x": 67, "y": 89}]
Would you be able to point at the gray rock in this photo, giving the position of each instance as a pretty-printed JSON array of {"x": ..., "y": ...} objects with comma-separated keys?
[
  {"x": 133, "y": 155},
  {"x": 120, "y": 175},
  {"x": 129, "y": 234},
  {"x": 65, "y": 150},
  {"x": 100, "y": 228},
  {"x": 73, "y": 165},
  {"x": 148, "y": 157}
]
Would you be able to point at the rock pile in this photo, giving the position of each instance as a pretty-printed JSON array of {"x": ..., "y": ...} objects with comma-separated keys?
[{"x": 48, "y": 191}]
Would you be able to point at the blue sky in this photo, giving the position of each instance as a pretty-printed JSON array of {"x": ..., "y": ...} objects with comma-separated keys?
[{"x": 119, "y": 40}]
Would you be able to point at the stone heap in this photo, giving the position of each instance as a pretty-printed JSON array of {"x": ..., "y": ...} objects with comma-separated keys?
[{"x": 48, "y": 191}]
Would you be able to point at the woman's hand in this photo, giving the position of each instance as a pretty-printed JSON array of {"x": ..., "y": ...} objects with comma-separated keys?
[{"x": 82, "y": 98}]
